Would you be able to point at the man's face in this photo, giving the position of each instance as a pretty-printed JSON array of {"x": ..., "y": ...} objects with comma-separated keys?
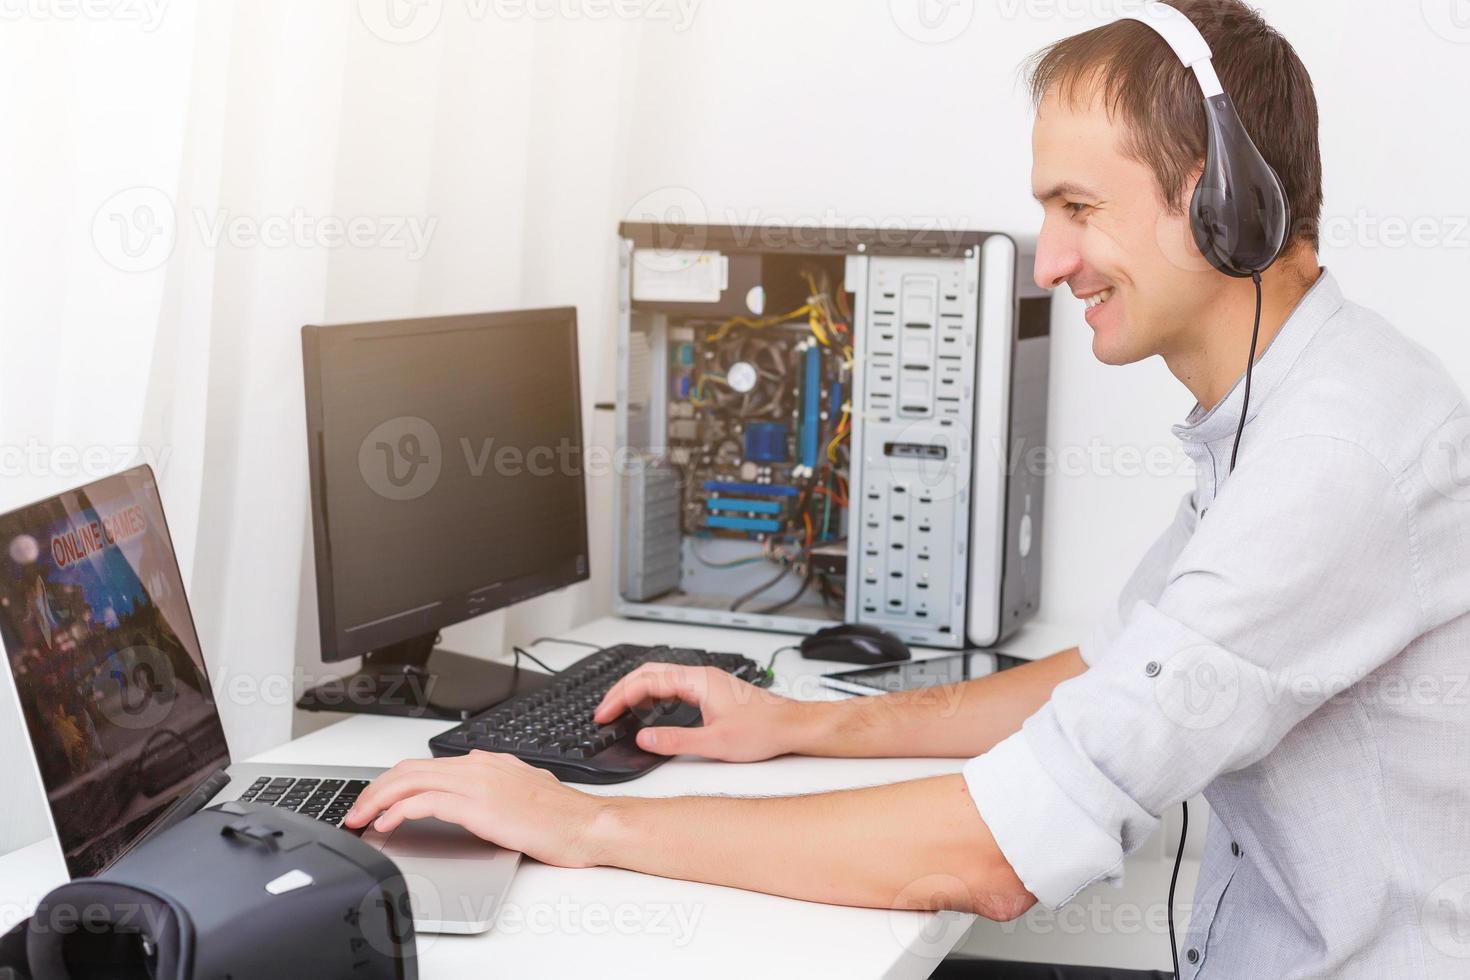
[{"x": 1108, "y": 234}]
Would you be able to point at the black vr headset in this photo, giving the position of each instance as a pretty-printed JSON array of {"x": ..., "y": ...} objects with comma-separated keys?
[
  {"x": 1239, "y": 212},
  {"x": 239, "y": 890}
]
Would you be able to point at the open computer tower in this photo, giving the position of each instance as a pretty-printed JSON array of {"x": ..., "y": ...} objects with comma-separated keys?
[{"x": 826, "y": 425}]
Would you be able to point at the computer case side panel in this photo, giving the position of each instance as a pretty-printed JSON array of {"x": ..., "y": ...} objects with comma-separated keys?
[
  {"x": 1006, "y": 521},
  {"x": 1026, "y": 460}
]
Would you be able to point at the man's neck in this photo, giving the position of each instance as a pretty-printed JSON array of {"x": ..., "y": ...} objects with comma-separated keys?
[{"x": 1214, "y": 359}]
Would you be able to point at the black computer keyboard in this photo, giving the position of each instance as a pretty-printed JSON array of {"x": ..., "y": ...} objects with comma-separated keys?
[
  {"x": 552, "y": 728},
  {"x": 327, "y": 800}
]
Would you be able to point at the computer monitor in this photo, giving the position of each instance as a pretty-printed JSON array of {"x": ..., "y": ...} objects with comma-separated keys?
[{"x": 446, "y": 482}]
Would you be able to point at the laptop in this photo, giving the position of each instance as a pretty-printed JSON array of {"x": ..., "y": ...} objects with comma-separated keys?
[{"x": 109, "y": 676}]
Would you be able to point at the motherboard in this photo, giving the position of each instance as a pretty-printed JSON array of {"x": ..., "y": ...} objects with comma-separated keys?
[{"x": 758, "y": 426}]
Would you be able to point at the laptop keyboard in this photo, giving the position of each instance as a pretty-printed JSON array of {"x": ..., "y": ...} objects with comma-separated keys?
[{"x": 327, "y": 800}]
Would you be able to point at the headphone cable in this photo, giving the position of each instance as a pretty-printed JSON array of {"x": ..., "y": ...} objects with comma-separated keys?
[
  {"x": 1249, "y": 365},
  {"x": 1174, "y": 880},
  {"x": 1234, "y": 451}
]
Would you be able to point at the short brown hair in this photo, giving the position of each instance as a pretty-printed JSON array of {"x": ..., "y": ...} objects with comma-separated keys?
[{"x": 1139, "y": 77}]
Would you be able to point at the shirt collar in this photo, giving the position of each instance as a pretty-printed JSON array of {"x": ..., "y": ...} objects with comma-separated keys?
[{"x": 1313, "y": 310}]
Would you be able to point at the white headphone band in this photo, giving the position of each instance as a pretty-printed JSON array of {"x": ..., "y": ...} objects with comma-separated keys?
[{"x": 1186, "y": 40}]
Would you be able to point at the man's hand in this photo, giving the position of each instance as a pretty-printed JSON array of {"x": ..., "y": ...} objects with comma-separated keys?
[
  {"x": 496, "y": 797},
  {"x": 742, "y": 723}
]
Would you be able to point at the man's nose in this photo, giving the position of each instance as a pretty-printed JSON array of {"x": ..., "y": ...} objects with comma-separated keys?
[{"x": 1057, "y": 256}]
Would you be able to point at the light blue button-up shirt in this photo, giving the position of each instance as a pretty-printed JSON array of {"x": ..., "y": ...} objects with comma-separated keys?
[{"x": 1296, "y": 646}]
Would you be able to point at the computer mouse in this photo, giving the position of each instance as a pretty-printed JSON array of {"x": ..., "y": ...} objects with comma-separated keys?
[{"x": 854, "y": 643}]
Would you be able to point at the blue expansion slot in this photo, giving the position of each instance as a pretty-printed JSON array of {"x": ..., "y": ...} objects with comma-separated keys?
[
  {"x": 755, "y": 525},
  {"x": 744, "y": 506},
  {"x": 834, "y": 407},
  {"x": 811, "y": 422},
  {"x": 749, "y": 489}
]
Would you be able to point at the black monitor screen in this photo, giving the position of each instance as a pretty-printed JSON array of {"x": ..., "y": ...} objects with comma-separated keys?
[
  {"x": 447, "y": 475},
  {"x": 106, "y": 662}
]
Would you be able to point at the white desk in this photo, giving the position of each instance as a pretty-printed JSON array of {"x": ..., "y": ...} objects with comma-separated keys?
[{"x": 614, "y": 923}]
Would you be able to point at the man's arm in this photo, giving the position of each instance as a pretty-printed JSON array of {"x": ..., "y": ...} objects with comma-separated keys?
[
  {"x": 744, "y": 724},
  {"x": 914, "y": 845},
  {"x": 956, "y": 721}
]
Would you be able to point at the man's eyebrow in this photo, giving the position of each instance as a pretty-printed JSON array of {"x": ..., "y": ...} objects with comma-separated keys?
[{"x": 1064, "y": 189}]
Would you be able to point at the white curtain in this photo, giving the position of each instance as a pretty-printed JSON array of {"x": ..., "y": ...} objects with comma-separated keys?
[{"x": 185, "y": 184}]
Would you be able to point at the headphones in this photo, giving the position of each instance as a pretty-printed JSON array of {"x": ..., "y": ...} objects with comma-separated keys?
[{"x": 1239, "y": 213}]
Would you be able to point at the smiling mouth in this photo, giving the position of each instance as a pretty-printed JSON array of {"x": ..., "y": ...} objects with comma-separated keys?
[{"x": 1098, "y": 299}]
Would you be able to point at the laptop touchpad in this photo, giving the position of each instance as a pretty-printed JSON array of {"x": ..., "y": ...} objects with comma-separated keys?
[{"x": 430, "y": 838}]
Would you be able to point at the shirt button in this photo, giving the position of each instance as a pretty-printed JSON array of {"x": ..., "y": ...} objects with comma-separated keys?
[
  {"x": 1152, "y": 668},
  {"x": 1235, "y": 848},
  {"x": 1192, "y": 956}
]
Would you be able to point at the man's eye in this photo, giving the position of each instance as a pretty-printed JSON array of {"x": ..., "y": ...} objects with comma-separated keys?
[{"x": 1076, "y": 207}]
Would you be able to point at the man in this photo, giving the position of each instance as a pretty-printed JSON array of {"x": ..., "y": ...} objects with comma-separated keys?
[{"x": 1293, "y": 646}]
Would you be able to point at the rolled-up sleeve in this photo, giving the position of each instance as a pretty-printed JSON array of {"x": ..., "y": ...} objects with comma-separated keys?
[{"x": 1301, "y": 581}]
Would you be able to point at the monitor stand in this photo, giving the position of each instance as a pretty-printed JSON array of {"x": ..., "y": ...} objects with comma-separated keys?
[{"x": 414, "y": 679}]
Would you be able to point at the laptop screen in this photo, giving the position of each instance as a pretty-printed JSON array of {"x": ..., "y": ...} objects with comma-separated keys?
[{"x": 102, "y": 648}]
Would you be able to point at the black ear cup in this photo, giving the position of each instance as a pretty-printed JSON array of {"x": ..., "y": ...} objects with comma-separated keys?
[{"x": 1239, "y": 212}]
